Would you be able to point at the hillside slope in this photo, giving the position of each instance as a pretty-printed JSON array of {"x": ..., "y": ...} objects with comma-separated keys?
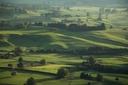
[{"x": 62, "y": 39}]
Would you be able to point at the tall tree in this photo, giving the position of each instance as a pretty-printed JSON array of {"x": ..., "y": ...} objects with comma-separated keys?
[
  {"x": 20, "y": 60},
  {"x": 62, "y": 72},
  {"x": 99, "y": 77},
  {"x": 92, "y": 60},
  {"x": 31, "y": 81}
]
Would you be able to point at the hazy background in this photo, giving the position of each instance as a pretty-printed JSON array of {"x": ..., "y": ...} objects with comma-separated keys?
[{"x": 69, "y": 2}]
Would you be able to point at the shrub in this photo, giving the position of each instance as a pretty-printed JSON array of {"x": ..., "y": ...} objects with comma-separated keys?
[
  {"x": 10, "y": 65},
  {"x": 13, "y": 73},
  {"x": 117, "y": 79}
]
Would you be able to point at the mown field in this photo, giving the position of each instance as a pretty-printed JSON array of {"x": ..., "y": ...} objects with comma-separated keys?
[{"x": 41, "y": 37}]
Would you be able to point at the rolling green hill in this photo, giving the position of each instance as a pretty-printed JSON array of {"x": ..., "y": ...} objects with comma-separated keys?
[{"x": 62, "y": 39}]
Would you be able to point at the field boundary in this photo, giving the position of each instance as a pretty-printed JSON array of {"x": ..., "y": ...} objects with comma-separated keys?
[{"x": 26, "y": 70}]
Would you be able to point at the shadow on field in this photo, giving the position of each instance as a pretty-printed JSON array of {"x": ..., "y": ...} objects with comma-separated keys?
[
  {"x": 5, "y": 77},
  {"x": 124, "y": 65},
  {"x": 4, "y": 44},
  {"x": 111, "y": 82},
  {"x": 6, "y": 84},
  {"x": 46, "y": 79},
  {"x": 30, "y": 40},
  {"x": 118, "y": 75}
]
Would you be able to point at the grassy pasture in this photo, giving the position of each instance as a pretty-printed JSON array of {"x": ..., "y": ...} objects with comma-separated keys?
[
  {"x": 20, "y": 78},
  {"x": 42, "y": 37},
  {"x": 23, "y": 76},
  {"x": 56, "y": 61},
  {"x": 118, "y": 20}
]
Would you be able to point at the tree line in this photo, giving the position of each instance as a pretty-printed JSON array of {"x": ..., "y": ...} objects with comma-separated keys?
[
  {"x": 77, "y": 27},
  {"x": 91, "y": 64},
  {"x": 89, "y": 51}
]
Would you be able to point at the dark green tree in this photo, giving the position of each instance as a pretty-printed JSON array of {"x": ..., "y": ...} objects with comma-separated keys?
[
  {"x": 43, "y": 62},
  {"x": 18, "y": 51},
  {"x": 92, "y": 60},
  {"x": 31, "y": 81},
  {"x": 89, "y": 83},
  {"x": 62, "y": 72},
  {"x": 117, "y": 79},
  {"x": 99, "y": 77},
  {"x": 82, "y": 75},
  {"x": 20, "y": 60},
  {"x": 13, "y": 73},
  {"x": 10, "y": 65},
  {"x": 20, "y": 65},
  {"x": 88, "y": 15}
]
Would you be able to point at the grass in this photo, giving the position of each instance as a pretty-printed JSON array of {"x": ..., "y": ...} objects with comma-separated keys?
[
  {"x": 20, "y": 78},
  {"x": 42, "y": 37},
  {"x": 23, "y": 76},
  {"x": 62, "y": 39}
]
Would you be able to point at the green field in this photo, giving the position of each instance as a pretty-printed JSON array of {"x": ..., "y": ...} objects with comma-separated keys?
[
  {"x": 62, "y": 39},
  {"x": 56, "y": 61},
  {"x": 40, "y": 37}
]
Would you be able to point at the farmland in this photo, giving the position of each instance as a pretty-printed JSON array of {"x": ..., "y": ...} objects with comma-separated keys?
[{"x": 28, "y": 28}]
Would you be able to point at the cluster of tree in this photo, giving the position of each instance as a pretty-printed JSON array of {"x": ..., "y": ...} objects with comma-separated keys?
[
  {"x": 99, "y": 77},
  {"x": 6, "y": 24},
  {"x": 54, "y": 13},
  {"x": 85, "y": 76},
  {"x": 20, "y": 64},
  {"x": 110, "y": 11},
  {"x": 107, "y": 69},
  {"x": 102, "y": 50},
  {"x": 76, "y": 27},
  {"x": 6, "y": 56},
  {"x": 106, "y": 11},
  {"x": 57, "y": 25},
  {"x": 91, "y": 64},
  {"x": 89, "y": 51},
  {"x": 19, "y": 10},
  {"x": 18, "y": 51},
  {"x": 24, "y": 25},
  {"x": 38, "y": 24},
  {"x": 12, "y": 10}
]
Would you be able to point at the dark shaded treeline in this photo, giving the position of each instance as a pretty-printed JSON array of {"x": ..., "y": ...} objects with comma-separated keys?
[
  {"x": 88, "y": 51},
  {"x": 77, "y": 27},
  {"x": 26, "y": 70},
  {"x": 59, "y": 25},
  {"x": 101, "y": 68}
]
